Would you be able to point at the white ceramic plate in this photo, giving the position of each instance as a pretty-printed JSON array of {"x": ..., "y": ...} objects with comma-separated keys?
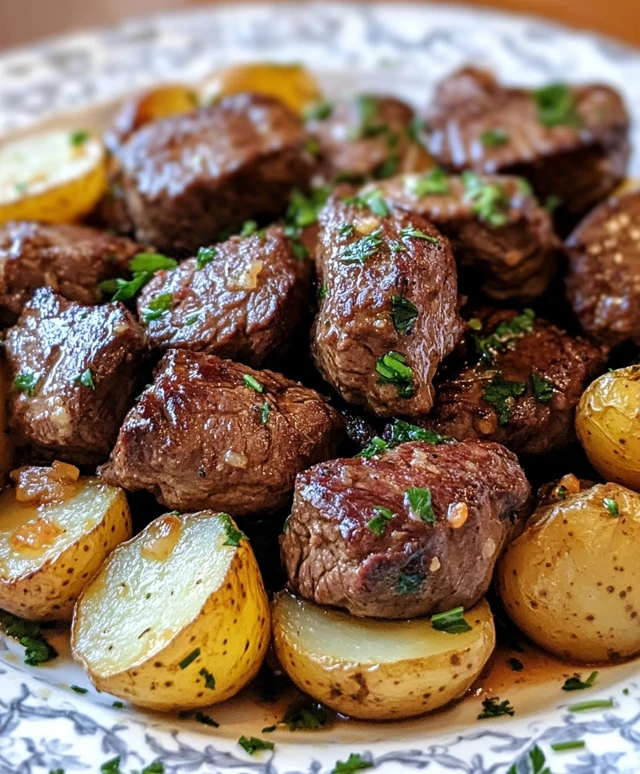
[{"x": 44, "y": 725}]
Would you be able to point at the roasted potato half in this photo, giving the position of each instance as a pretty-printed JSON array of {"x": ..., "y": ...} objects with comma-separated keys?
[
  {"x": 378, "y": 670},
  {"x": 608, "y": 425},
  {"x": 177, "y": 618},
  {"x": 571, "y": 581},
  {"x": 290, "y": 83},
  {"x": 56, "y": 176},
  {"x": 49, "y": 551}
]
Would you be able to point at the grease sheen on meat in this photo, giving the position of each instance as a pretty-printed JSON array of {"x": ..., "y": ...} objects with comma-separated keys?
[
  {"x": 189, "y": 178},
  {"x": 75, "y": 372},
  {"x": 245, "y": 303},
  {"x": 414, "y": 567},
  {"x": 388, "y": 315},
  {"x": 202, "y": 436}
]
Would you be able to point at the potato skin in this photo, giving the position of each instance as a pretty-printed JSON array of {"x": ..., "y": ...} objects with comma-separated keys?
[
  {"x": 387, "y": 691},
  {"x": 231, "y": 630},
  {"x": 608, "y": 425},
  {"x": 50, "y": 592},
  {"x": 571, "y": 581}
]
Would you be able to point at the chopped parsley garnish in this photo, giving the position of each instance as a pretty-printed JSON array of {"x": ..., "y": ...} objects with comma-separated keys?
[
  {"x": 583, "y": 706},
  {"x": 434, "y": 183},
  {"x": 78, "y": 138},
  {"x": 118, "y": 704},
  {"x": 205, "y": 256},
  {"x": 552, "y": 202},
  {"x": 157, "y": 767},
  {"x": 489, "y": 201},
  {"x": 574, "y": 744},
  {"x": 312, "y": 146},
  {"x": 494, "y": 138},
  {"x": 269, "y": 729},
  {"x": 419, "y": 502},
  {"x": 403, "y": 313},
  {"x": 378, "y": 523},
  {"x": 612, "y": 506},
  {"x": 504, "y": 336},
  {"x": 537, "y": 761},
  {"x": 189, "y": 659},
  {"x": 209, "y": 679},
  {"x": 389, "y": 167},
  {"x": 367, "y": 107},
  {"x": 26, "y": 382},
  {"x": 375, "y": 446},
  {"x": 542, "y": 388},
  {"x": 323, "y": 292},
  {"x": 157, "y": 307},
  {"x": 524, "y": 186},
  {"x": 556, "y": 106},
  {"x": 317, "y": 111},
  {"x": 264, "y": 413},
  {"x": 501, "y": 394},
  {"x": 346, "y": 231},
  {"x": 355, "y": 762},
  {"x": 363, "y": 248},
  {"x": 124, "y": 290},
  {"x": 494, "y": 708},
  {"x": 515, "y": 664},
  {"x": 410, "y": 232},
  {"x": 576, "y": 684},
  {"x": 206, "y": 720},
  {"x": 234, "y": 535},
  {"x": 415, "y": 128},
  {"x": 409, "y": 583},
  {"x": 253, "y": 383},
  {"x": 78, "y": 689},
  {"x": 402, "y": 432},
  {"x": 252, "y": 744},
  {"x": 29, "y": 635},
  {"x": 304, "y": 210},
  {"x": 111, "y": 767},
  {"x": 151, "y": 262},
  {"x": 249, "y": 228},
  {"x": 86, "y": 379},
  {"x": 561, "y": 492},
  {"x": 192, "y": 319},
  {"x": 307, "y": 716},
  {"x": 452, "y": 621},
  {"x": 392, "y": 368},
  {"x": 374, "y": 201}
]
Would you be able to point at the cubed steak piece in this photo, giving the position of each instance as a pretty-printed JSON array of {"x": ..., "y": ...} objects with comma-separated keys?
[
  {"x": 211, "y": 433},
  {"x": 518, "y": 385},
  {"x": 388, "y": 309},
  {"x": 571, "y": 143},
  {"x": 366, "y": 137},
  {"x": 603, "y": 281},
  {"x": 74, "y": 372},
  {"x": 413, "y": 531},
  {"x": 502, "y": 239},
  {"x": 243, "y": 299},
  {"x": 188, "y": 178},
  {"x": 73, "y": 260}
]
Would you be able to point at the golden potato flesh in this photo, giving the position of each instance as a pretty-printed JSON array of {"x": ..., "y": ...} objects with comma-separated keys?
[
  {"x": 571, "y": 581},
  {"x": 177, "y": 618},
  {"x": 374, "y": 669},
  {"x": 608, "y": 425},
  {"x": 291, "y": 84},
  {"x": 49, "y": 552}
]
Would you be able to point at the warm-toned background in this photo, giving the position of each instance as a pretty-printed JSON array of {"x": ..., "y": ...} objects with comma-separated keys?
[{"x": 22, "y": 21}]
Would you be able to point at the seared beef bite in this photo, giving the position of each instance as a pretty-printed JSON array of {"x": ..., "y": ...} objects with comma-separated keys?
[
  {"x": 571, "y": 143},
  {"x": 243, "y": 299},
  {"x": 502, "y": 239},
  {"x": 70, "y": 259},
  {"x": 189, "y": 178},
  {"x": 367, "y": 137},
  {"x": 519, "y": 384},
  {"x": 413, "y": 531},
  {"x": 74, "y": 371},
  {"x": 603, "y": 282},
  {"x": 210, "y": 433},
  {"x": 388, "y": 307}
]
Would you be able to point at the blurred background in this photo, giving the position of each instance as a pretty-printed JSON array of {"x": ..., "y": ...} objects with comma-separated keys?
[{"x": 23, "y": 21}]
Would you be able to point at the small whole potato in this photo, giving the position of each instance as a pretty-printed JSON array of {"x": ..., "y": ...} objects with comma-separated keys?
[
  {"x": 571, "y": 580},
  {"x": 608, "y": 425}
]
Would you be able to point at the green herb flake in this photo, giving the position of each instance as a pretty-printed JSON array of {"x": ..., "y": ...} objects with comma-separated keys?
[
  {"x": 552, "y": 202},
  {"x": 556, "y": 105},
  {"x": 542, "y": 388},
  {"x": 189, "y": 659},
  {"x": 118, "y": 704},
  {"x": 78, "y": 138},
  {"x": 303, "y": 210},
  {"x": 392, "y": 368},
  {"x": 206, "y": 720},
  {"x": 85, "y": 379},
  {"x": 494, "y": 708},
  {"x": 379, "y": 522},
  {"x": 192, "y": 319},
  {"x": 346, "y": 231},
  {"x": 367, "y": 108},
  {"x": 307, "y": 716},
  {"x": 537, "y": 760},
  {"x": 585, "y": 706},
  {"x": 323, "y": 292},
  {"x": 374, "y": 201},
  {"x": 419, "y": 503},
  {"x": 252, "y": 383},
  {"x": 494, "y": 138},
  {"x": 124, "y": 290},
  {"x": 252, "y": 744},
  {"x": 403, "y": 314},
  {"x": 415, "y": 129},
  {"x": 151, "y": 262},
  {"x": 489, "y": 201},
  {"x": 269, "y": 729},
  {"x": 434, "y": 183},
  {"x": 205, "y": 256},
  {"x": 249, "y": 228},
  {"x": 26, "y": 382},
  {"x": 56, "y": 771},
  {"x": 79, "y": 689},
  {"x": 410, "y": 232},
  {"x": 505, "y": 336},
  {"x": 375, "y": 446},
  {"x": 625, "y": 691},
  {"x": 312, "y": 146},
  {"x": 575, "y": 744},
  {"x": 501, "y": 394},
  {"x": 612, "y": 506},
  {"x": 388, "y": 168},
  {"x": 452, "y": 621},
  {"x": 355, "y": 762},
  {"x": 317, "y": 111},
  {"x": 234, "y": 535},
  {"x": 561, "y": 492},
  {"x": 362, "y": 249},
  {"x": 111, "y": 767},
  {"x": 157, "y": 307},
  {"x": 402, "y": 432},
  {"x": 515, "y": 664},
  {"x": 30, "y": 636},
  {"x": 209, "y": 679},
  {"x": 409, "y": 583},
  {"x": 576, "y": 684},
  {"x": 157, "y": 767},
  {"x": 264, "y": 413}
]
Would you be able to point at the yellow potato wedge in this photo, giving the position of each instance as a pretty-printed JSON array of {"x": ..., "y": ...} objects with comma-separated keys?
[
  {"x": 292, "y": 84},
  {"x": 374, "y": 669},
  {"x": 56, "y": 176},
  {"x": 177, "y": 618},
  {"x": 50, "y": 551},
  {"x": 571, "y": 581}
]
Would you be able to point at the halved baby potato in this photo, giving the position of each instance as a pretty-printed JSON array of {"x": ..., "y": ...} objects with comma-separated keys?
[
  {"x": 55, "y": 176},
  {"x": 177, "y": 618},
  {"x": 289, "y": 83},
  {"x": 50, "y": 550},
  {"x": 378, "y": 670}
]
